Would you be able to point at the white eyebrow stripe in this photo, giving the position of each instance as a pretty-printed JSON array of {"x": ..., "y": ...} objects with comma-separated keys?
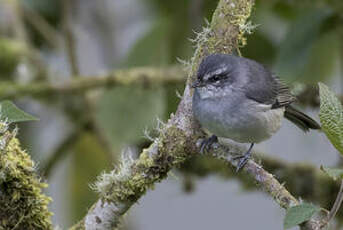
[{"x": 217, "y": 72}]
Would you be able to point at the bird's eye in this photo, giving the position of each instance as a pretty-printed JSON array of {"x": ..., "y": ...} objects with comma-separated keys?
[{"x": 215, "y": 78}]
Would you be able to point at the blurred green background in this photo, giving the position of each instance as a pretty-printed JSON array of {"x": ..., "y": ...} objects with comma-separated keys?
[{"x": 301, "y": 41}]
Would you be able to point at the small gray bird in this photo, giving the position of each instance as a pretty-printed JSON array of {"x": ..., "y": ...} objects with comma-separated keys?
[{"x": 239, "y": 99}]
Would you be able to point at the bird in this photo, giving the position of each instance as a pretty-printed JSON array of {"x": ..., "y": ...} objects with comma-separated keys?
[{"x": 240, "y": 99}]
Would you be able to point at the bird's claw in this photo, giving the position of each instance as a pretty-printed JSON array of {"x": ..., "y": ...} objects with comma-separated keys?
[
  {"x": 242, "y": 161},
  {"x": 207, "y": 143}
]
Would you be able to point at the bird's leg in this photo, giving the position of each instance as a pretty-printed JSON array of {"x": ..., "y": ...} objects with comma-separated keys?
[
  {"x": 206, "y": 144},
  {"x": 244, "y": 158}
]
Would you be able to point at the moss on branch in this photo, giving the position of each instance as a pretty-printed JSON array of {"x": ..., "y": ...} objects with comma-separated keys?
[
  {"x": 226, "y": 31},
  {"x": 22, "y": 203},
  {"x": 144, "y": 76},
  {"x": 125, "y": 185}
]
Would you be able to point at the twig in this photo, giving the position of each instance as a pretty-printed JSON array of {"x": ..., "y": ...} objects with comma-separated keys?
[
  {"x": 337, "y": 203},
  {"x": 69, "y": 39},
  {"x": 19, "y": 28},
  {"x": 143, "y": 76},
  {"x": 335, "y": 207},
  {"x": 20, "y": 34},
  {"x": 42, "y": 26}
]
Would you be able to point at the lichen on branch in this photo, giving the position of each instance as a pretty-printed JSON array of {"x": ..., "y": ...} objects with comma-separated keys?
[{"x": 22, "y": 203}]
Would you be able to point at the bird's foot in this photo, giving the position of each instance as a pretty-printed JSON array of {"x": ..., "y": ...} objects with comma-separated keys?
[
  {"x": 243, "y": 159},
  {"x": 206, "y": 144}
]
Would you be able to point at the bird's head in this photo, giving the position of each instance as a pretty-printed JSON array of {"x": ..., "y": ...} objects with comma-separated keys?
[{"x": 215, "y": 70}]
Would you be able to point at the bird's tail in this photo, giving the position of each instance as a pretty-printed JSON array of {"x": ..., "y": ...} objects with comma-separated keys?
[{"x": 300, "y": 119}]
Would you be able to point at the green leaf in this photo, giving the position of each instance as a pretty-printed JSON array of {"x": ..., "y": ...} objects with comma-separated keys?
[
  {"x": 12, "y": 113},
  {"x": 331, "y": 116},
  {"x": 334, "y": 173},
  {"x": 299, "y": 214}
]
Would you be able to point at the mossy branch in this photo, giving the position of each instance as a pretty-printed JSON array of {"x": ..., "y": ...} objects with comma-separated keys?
[
  {"x": 22, "y": 203},
  {"x": 302, "y": 180},
  {"x": 144, "y": 76},
  {"x": 263, "y": 178},
  {"x": 121, "y": 188}
]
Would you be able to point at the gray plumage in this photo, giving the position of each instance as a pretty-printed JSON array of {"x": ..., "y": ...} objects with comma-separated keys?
[{"x": 240, "y": 99}]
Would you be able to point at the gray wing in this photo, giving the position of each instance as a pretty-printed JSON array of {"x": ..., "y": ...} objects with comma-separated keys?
[
  {"x": 284, "y": 96},
  {"x": 264, "y": 87}
]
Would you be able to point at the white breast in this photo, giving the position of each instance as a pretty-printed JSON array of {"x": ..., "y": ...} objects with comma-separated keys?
[
  {"x": 252, "y": 123},
  {"x": 259, "y": 126},
  {"x": 238, "y": 118}
]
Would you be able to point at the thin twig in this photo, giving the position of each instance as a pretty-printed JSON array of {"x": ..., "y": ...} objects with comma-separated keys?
[
  {"x": 335, "y": 206},
  {"x": 48, "y": 32},
  {"x": 69, "y": 39},
  {"x": 19, "y": 28},
  {"x": 337, "y": 203},
  {"x": 21, "y": 34}
]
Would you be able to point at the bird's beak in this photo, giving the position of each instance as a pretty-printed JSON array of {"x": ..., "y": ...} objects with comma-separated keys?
[{"x": 197, "y": 84}]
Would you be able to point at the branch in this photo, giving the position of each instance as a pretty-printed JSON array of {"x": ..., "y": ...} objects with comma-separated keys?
[
  {"x": 144, "y": 76},
  {"x": 42, "y": 26},
  {"x": 335, "y": 207},
  {"x": 21, "y": 39},
  {"x": 22, "y": 203},
  {"x": 266, "y": 180},
  {"x": 69, "y": 38},
  {"x": 121, "y": 188},
  {"x": 302, "y": 180},
  {"x": 263, "y": 178}
]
